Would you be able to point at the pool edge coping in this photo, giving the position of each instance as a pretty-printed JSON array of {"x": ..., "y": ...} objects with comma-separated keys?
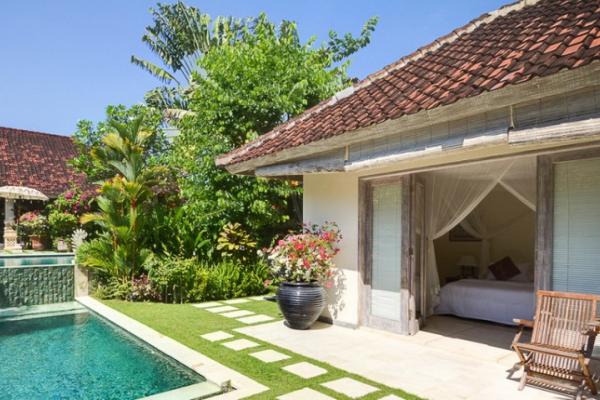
[{"x": 212, "y": 370}]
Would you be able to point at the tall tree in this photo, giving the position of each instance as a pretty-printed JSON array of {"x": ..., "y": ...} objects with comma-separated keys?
[
  {"x": 179, "y": 36},
  {"x": 89, "y": 138},
  {"x": 119, "y": 250},
  {"x": 243, "y": 88}
]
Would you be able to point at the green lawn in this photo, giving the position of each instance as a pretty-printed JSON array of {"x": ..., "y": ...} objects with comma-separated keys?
[{"x": 186, "y": 323}]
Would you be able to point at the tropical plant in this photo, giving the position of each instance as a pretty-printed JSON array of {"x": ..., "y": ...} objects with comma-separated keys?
[
  {"x": 179, "y": 36},
  {"x": 32, "y": 223},
  {"x": 247, "y": 87},
  {"x": 181, "y": 280},
  {"x": 62, "y": 224},
  {"x": 235, "y": 243},
  {"x": 74, "y": 201},
  {"x": 307, "y": 256},
  {"x": 119, "y": 251},
  {"x": 89, "y": 136}
]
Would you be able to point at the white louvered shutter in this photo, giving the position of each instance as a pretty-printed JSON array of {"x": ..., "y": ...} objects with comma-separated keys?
[{"x": 576, "y": 250}]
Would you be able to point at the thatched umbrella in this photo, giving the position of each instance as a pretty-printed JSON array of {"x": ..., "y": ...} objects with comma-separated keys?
[{"x": 22, "y": 192}]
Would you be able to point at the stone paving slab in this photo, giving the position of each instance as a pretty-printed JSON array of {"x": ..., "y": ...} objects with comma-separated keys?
[
  {"x": 207, "y": 305},
  {"x": 270, "y": 356},
  {"x": 222, "y": 309},
  {"x": 236, "y": 301},
  {"x": 216, "y": 336},
  {"x": 350, "y": 387},
  {"x": 240, "y": 344},
  {"x": 391, "y": 397},
  {"x": 305, "y": 370},
  {"x": 237, "y": 314},
  {"x": 305, "y": 394},
  {"x": 258, "y": 298},
  {"x": 254, "y": 319}
]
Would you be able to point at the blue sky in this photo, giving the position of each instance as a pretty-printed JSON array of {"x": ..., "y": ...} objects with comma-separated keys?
[{"x": 65, "y": 60}]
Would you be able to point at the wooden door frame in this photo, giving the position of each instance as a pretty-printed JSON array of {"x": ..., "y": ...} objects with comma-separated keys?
[
  {"x": 365, "y": 257},
  {"x": 417, "y": 286},
  {"x": 544, "y": 238}
]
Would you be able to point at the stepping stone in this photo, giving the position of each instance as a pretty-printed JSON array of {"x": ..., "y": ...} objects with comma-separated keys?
[
  {"x": 222, "y": 309},
  {"x": 304, "y": 394},
  {"x": 216, "y": 336},
  {"x": 240, "y": 344},
  {"x": 254, "y": 319},
  {"x": 237, "y": 314},
  {"x": 350, "y": 387},
  {"x": 305, "y": 370},
  {"x": 236, "y": 301},
  {"x": 207, "y": 305},
  {"x": 269, "y": 356},
  {"x": 391, "y": 397},
  {"x": 258, "y": 298}
]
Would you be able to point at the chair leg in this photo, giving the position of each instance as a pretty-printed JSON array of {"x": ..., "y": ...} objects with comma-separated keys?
[
  {"x": 523, "y": 380},
  {"x": 587, "y": 376}
]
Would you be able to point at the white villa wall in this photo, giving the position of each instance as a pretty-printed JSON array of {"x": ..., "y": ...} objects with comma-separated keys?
[{"x": 334, "y": 197}]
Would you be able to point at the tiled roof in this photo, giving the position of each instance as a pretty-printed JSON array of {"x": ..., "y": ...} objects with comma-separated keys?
[
  {"x": 509, "y": 46},
  {"x": 37, "y": 160}
]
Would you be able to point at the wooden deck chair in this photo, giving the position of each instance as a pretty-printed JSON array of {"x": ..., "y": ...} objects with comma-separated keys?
[{"x": 564, "y": 330}]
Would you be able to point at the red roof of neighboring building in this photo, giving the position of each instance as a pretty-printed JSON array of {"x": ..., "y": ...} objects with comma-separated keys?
[
  {"x": 512, "y": 45},
  {"x": 37, "y": 160}
]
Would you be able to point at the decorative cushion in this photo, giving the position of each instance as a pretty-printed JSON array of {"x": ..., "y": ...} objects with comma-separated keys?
[
  {"x": 526, "y": 274},
  {"x": 504, "y": 269}
]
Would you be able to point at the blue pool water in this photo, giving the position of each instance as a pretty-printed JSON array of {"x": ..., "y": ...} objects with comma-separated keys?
[
  {"x": 81, "y": 356},
  {"x": 29, "y": 260}
]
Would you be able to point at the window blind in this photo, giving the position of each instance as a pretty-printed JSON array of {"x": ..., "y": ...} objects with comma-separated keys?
[
  {"x": 576, "y": 249},
  {"x": 387, "y": 251}
]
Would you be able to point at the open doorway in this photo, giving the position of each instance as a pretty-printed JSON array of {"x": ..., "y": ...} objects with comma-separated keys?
[
  {"x": 479, "y": 222},
  {"x": 487, "y": 273},
  {"x": 411, "y": 250}
]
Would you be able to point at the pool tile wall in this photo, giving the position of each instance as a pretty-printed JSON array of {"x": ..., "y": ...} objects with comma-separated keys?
[{"x": 28, "y": 286}]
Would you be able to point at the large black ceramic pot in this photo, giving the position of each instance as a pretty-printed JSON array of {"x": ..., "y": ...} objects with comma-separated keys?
[{"x": 300, "y": 303}]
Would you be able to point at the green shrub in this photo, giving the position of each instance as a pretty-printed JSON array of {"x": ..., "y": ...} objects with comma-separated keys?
[
  {"x": 112, "y": 288},
  {"x": 228, "y": 280},
  {"x": 188, "y": 280},
  {"x": 178, "y": 280},
  {"x": 62, "y": 224}
]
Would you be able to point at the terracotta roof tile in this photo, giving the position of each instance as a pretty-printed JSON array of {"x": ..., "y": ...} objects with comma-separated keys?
[
  {"x": 37, "y": 160},
  {"x": 515, "y": 44}
]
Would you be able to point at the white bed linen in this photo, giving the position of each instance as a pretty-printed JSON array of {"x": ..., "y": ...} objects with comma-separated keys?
[{"x": 490, "y": 300}]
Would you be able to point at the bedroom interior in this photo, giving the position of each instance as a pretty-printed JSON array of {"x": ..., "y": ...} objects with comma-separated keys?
[
  {"x": 513, "y": 224},
  {"x": 481, "y": 222}
]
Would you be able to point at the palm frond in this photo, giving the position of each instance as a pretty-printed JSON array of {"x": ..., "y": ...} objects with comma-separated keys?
[{"x": 162, "y": 74}]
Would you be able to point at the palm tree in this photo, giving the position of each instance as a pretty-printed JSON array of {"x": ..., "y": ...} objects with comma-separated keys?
[
  {"x": 179, "y": 37},
  {"x": 118, "y": 251}
]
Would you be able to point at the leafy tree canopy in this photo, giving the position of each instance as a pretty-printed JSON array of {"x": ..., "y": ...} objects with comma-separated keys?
[
  {"x": 243, "y": 88},
  {"x": 89, "y": 138},
  {"x": 181, "y": 35}
]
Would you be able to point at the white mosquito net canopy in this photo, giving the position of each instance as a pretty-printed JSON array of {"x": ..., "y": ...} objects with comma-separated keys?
[{"x": 453, "y": 195}]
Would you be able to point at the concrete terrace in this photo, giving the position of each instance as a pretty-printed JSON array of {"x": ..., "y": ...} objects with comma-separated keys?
[{"x": 453, "y": 359}]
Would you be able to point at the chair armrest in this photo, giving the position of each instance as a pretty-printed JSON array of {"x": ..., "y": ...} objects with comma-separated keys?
[
  {"x": 593, "y": 328},
  {"x": 550, "y": 350},
  {"x": 523, "y": 322}
]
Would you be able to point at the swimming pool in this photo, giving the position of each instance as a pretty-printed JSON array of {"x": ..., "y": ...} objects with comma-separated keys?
[
  {"x": 23, "y": 260},
  {"x": 82, "y": 356}
]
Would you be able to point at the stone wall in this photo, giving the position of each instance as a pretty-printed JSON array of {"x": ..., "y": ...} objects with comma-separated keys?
[{"x": 27, "y": 286}]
